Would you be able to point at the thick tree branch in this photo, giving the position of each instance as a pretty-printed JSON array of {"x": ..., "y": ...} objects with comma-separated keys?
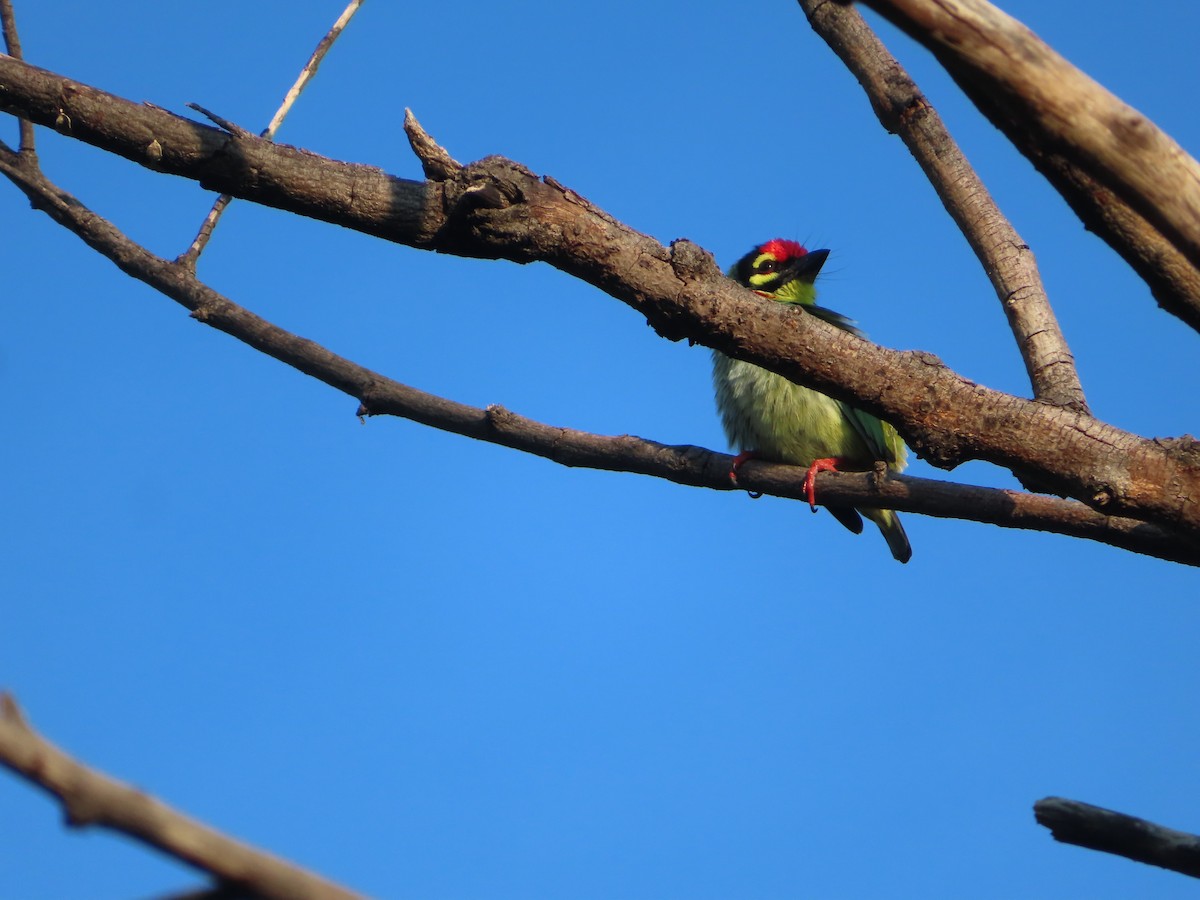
[
  {"x": 1101, "y": 829},
  {"x": 497, "y": 209},
  {"x": 681, "y": 464},
  {"x": 1125, "y": 179},
  {"x": 91, "y": 798},
  {"x": 1009, "y": 263}
]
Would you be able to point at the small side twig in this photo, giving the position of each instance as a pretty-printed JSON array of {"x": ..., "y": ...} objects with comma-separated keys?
[
  {"x": 89, "y": 797},
  {"x": 436, "y": 161},
  {"x": 1010, "y": 265},
  {"x": 1096, "y": 828},
  {"x": 232, "y": 127},
  {"x": 203, "y": 236}
]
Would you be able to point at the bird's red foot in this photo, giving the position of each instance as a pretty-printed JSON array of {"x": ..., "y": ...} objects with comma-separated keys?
[
  {"x": 810, "y": 480},
  {"x": 737, "y": 463}
]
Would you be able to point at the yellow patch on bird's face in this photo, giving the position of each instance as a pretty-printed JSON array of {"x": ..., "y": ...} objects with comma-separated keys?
[
  {"x": 796, "y": 291},
  {"x": 763, "y": 270}
]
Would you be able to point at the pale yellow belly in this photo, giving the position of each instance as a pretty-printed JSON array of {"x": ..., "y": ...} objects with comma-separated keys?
[{"x": 765, "y": 412}]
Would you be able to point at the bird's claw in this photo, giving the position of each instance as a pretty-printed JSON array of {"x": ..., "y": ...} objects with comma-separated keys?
[
  {"x": 737, "y": 464},
  {"x": 810, "y": 479}
]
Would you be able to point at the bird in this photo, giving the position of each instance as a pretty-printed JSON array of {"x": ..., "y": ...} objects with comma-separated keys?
[{"x": 766, "y": 416}]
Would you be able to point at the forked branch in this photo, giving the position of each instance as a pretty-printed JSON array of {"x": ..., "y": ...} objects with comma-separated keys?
[
  {"x": 1124, "y": 177},
  {"x": 306, "y": 75},
  {"x": 1009, "y": 263}
]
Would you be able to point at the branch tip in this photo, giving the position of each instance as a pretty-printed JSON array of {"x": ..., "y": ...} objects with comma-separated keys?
[
  {"x": 10, "y": 711},
  {"x": 1096, "y": 828},
  {"x": 233, "y": 128},
  {"x": 90, "y": 797},
  {"x": 437, "y": 164}
]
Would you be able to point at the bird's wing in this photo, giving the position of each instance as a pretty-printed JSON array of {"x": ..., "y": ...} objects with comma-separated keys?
[
  {"x": 870, "y": 429},
  {"x": 835, "y": 319},
  {"x": 865, "y": 425}
]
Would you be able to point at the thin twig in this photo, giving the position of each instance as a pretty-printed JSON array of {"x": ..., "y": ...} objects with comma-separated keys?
[
  {"x": 306, "y": 75},
  {"x": 12, "y": 43},
  {"x": 1009, "y": 263},
  {"x": 310, "y": 68},
  {"x": 681, "y": 464},
  {"x": 1096, "y": 828},
  {"x": 232, "y": 127},
  {"x": 89, "y": 797}
]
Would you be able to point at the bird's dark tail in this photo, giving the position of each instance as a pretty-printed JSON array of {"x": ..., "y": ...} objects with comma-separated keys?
[{"x": 893, "y": 532}]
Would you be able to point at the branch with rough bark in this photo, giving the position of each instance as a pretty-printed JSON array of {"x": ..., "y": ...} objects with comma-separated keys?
[
  {"x": 1009, "y": 263},
  {"x": 1096, "y": 828},
  {"x": 696, "y": 466},
  {"x": 1126, "y": 180},
  {"x": 90, "y": 798},
  {"x": 498, "y": 209}
]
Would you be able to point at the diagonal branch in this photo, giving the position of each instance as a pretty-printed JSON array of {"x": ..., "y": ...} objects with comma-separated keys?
[
  {"x": 306, "y": 75},
  {"x": 1126, "y": 179},
  {"x": 91, "y": 798},
  {"x": 1009, "y": 263},
  {"x": 1102, "y": 829},
  {"x": 495, "y": 208}
]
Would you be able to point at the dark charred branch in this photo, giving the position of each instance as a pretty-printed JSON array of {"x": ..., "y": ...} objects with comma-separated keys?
[{"x": 1101, "y": 829}]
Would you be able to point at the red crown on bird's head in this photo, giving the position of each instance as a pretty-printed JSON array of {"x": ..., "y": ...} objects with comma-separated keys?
[{"x": 781, "y": 249}]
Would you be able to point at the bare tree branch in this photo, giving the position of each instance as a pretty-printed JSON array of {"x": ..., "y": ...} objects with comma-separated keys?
[
  {"x": 12, "y": 42},
  {"x": 498, "y": 209},
  {"x": 1126, "y": 179},
  {"x": 306, "y": 75},
  {"x": 1084, "y": 825},
  {"x": 220, "y": 892},
  {"x": 687, "y": 465},
  {"x": 91, "y": 798},
  {"x": 1009, "y": 263}
]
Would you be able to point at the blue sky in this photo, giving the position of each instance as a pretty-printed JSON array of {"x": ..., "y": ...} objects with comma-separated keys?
[{"x": 429, "y": 667}]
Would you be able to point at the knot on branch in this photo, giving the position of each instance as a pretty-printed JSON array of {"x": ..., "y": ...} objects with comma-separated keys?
[
  {"x": 690, "y": 261},
  {"x": 1184, "y": 448},
  {"x": 487, "y": 212},
  {"x": 498, "y": 417},
  {"x": 940, "y": 448},
  {"x": 492, "y": 183}
]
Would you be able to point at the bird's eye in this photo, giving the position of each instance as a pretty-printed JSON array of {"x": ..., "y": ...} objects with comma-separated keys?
[{"x": 768, "y": 266}]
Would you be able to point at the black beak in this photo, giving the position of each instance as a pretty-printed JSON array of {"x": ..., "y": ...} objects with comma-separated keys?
[{"x": 806, "y": 267}]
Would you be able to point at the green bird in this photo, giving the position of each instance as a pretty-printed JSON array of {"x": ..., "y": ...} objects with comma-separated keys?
[{"x": 769, "y": 417}]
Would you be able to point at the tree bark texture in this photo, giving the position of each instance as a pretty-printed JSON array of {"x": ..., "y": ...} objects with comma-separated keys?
[{"x": 496, "y": 208}]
